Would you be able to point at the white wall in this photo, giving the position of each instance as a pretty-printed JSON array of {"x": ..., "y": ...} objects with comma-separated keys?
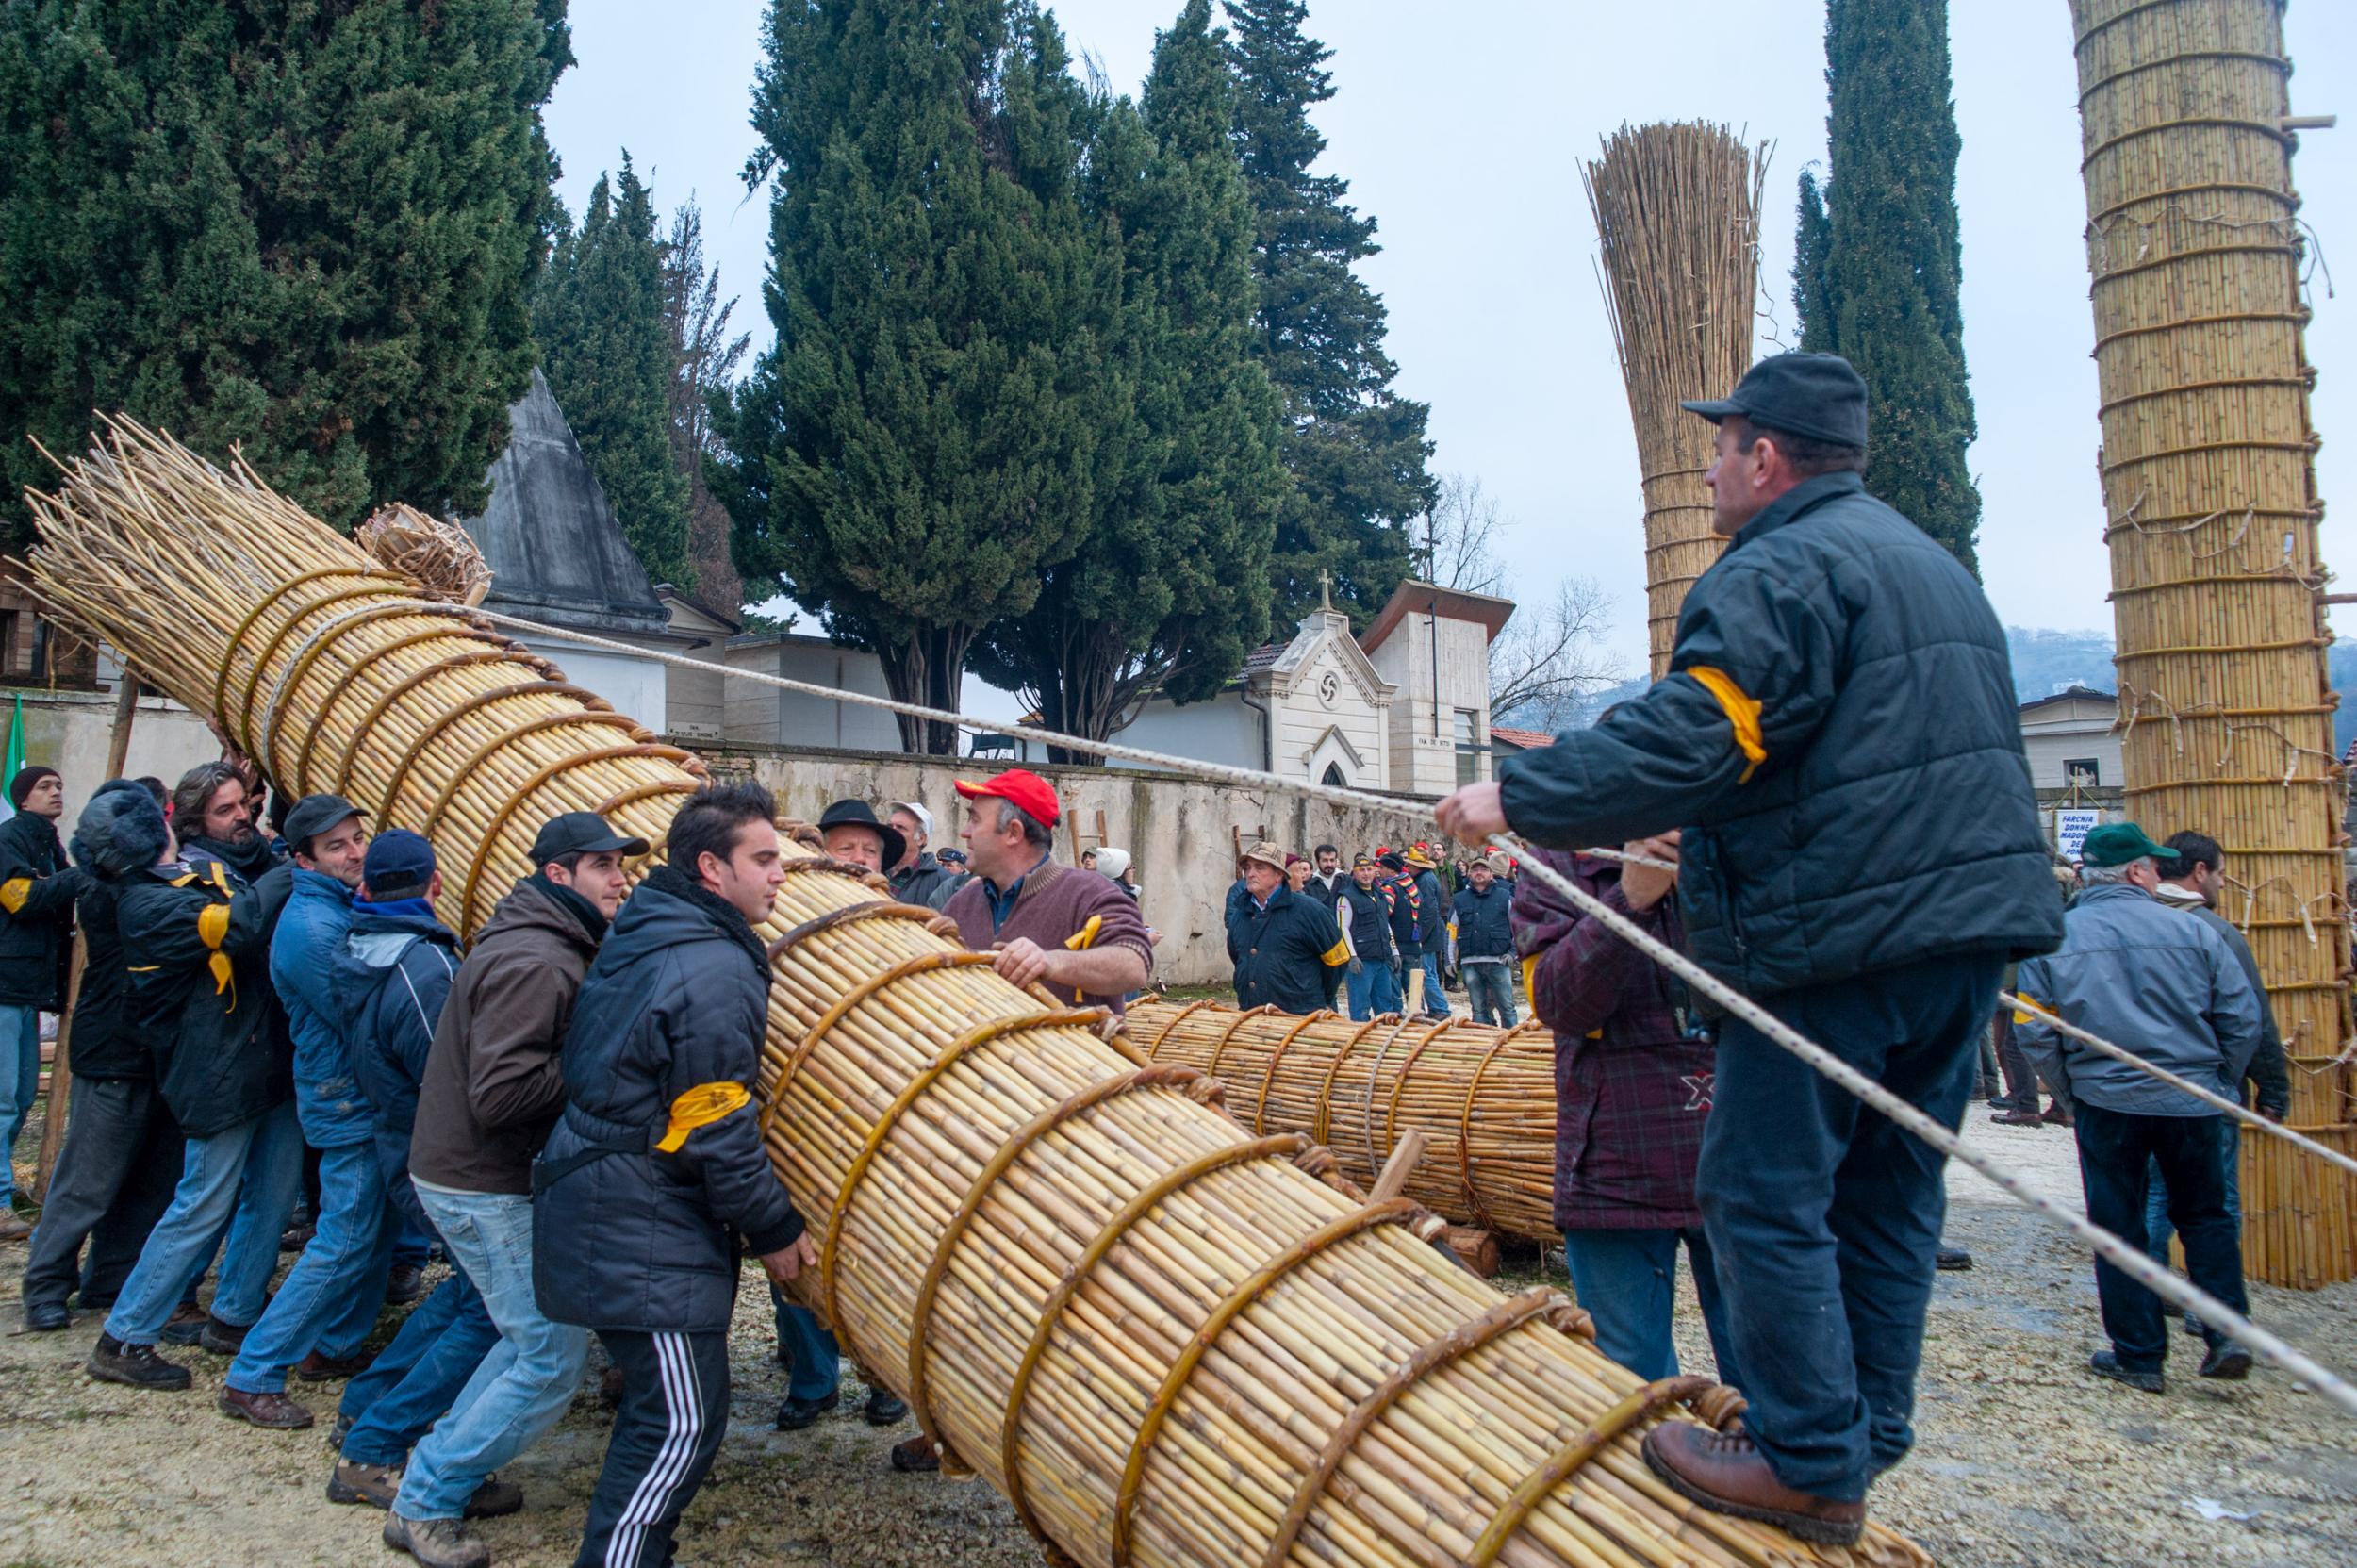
[
  {"x": 767, "y": 715},
  {"x": 1220, "y": 729},
  {"x": 636, "y": 687},
  {"x": 1423, "y": 755}
]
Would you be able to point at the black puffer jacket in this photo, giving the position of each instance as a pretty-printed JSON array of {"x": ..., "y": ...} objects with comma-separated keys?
[
  {"x": 37, "y": 893},
  {"x": 1837, "y": 737},
  {"x": 627, "y": 1236},
  {"x": 196, "y": 949},
  {"x": 102, "y": 1047}
]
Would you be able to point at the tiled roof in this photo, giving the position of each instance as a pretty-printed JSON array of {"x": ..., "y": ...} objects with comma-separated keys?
[
  {"x": 1263, "y": 656},
  {"x": 1521, "y": 740}
]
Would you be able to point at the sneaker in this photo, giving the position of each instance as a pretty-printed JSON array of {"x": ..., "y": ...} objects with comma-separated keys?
[
  {"x": 373, "y": 1484},
  {"x": 2227, "y": 1362},
  {"x": 271, "y": 1411},
  {"x": 2105, "y": 1363},
  {"x": 321, "y": 1368},
  {"x": 133, "y": 1365},
  {"x": 436, "y": 1543},
  {"x": 795, "y": 1414},
  {"x": 186, "y": 1325},
  {"x": 495, "y": 1499},
  {"x": 885, "y": 1408},
  {"x": 221, "y": 1339}
]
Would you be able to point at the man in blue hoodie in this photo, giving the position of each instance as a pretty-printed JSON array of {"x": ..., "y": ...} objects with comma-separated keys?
[
  {"x": 322, "y": 1313},
  {"x": 394, "y": 976}
]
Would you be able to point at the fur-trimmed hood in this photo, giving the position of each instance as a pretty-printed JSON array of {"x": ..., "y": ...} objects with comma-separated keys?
[{"x": 121, "y": 830}]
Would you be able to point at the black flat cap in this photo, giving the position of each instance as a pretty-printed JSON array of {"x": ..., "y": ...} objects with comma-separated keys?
[
  {"x": 1815, "y": 395},
  {"x": 859, "y": 814},
  {"x": 314, "y": 815},
  {"x": 580, "y": 832}
]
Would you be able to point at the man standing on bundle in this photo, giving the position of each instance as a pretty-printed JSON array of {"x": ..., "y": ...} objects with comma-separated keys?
[
  {"x": 2168, "y": 988},
  {"x": 1485, "y": 944},
  {"x": 1079, "y": 936},
  {"x": 917, "y": 877},
  {"x": 1837, "y": 740},
  {"x": 1365, "y": 918},
  {"x": 492, "y": 1090},
  {"x": 320, "y": 1320},
  {"x": 37, "y": 893},
  {"x": 1287, "y": 951},
  {"x": 656, "y": 1165}
]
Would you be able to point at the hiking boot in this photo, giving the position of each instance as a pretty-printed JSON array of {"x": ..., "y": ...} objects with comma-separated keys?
[
  {"x": 1725, "y": 1473},
  {"x": 273, "y": 1412},
  {"x": 185, "y": 1325},
  {"x": 296, "y": 1237},
  {"x": 373, "y": 1484},
  {"x": 321, "y": 1368},
  {"x": 221, "y": 1339},
  {"x": 495, "y": 1499},
  {"x": 2227, "y": 1362},
  {"x": 436, "y": 1543},
  {"x": 403, "y": 1285},
  {"x": 885, "y": 1408},
  {"x": 2105, "y": 1363},
  {"x": 916, "y": 1456},
  {"x": 795, "y": 1414},
  {"x": 133, "y": 1365}
]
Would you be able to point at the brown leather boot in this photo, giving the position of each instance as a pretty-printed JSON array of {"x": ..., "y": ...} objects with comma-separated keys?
[
  {"x": 320, "y": 1367},
  {"x": 1724, "y": 1473},
  {"x": 274, "y": 1410}
]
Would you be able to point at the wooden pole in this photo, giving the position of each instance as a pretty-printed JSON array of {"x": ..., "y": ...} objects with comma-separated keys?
[{"x": 61, "y": 1065}]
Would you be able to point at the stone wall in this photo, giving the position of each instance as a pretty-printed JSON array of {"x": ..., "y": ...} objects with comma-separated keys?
[
  {"x": 1184, "y": 832},
  {"x": 67, "y": 730}
]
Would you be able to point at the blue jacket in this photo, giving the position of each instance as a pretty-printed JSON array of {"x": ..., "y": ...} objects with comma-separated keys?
[
  {"x": 1483, "y": 930},
  {"x": 396, "y": 971},
  {"x": 629, "y": 1236},
  {"x": 1837, "y": 737},
  {"x": 303, "y": 967},
  {"x": 2137, "y": 973},
  {"x": 1288, "y": 953}
]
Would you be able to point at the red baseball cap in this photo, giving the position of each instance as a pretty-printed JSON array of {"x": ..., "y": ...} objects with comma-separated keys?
[{"x": 1025, "y": 790}]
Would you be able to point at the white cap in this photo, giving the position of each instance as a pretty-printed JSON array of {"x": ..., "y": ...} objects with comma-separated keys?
[
  {"x": 1113, "y": 862},
  {"x": 924, "y": 817}
]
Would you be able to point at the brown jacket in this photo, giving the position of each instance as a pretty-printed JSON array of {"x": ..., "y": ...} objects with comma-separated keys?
[
  {"x": 1052, "y": 905},
  {"x": 493, "y": 1086}
]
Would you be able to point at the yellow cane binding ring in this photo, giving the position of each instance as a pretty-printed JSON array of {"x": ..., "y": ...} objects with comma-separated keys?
[
  {"x": 1177, "y": 1018},
  {"x": 508, "y": 808},
  {"x": 1561, "y": 1464},
  {"x": 844, "y": 1004},
  {"x": 506, "y": 653}
]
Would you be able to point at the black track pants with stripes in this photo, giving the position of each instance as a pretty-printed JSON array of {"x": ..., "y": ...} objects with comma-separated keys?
[{"x": 668, "y": 1428}]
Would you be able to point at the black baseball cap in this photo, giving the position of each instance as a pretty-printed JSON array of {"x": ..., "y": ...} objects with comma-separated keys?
[
  {"x": 314, "y": 815},
  {"x": 580, "y": 832},
  {"x": 1817, "y": 395}
]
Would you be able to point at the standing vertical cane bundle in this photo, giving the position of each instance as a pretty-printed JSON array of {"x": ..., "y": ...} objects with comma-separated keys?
[
  {"x": 1167, "y": 1343},
  {"x": 1677, "y": 219},
  {"x": 2210, "y": 498}
]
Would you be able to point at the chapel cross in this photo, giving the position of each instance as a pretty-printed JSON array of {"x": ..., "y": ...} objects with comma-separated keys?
[{"x": 1326, "y": 590}]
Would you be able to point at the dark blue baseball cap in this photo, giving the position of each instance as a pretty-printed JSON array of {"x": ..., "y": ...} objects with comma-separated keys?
[
  {"x": 1817, "y": 395},
  {"x": 397, "y": 858}
]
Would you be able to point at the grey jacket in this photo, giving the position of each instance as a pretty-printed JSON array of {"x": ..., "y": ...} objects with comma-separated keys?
[
  {"x": 2139, "y": 974},
  {"x": 2269, "y": 1074}
]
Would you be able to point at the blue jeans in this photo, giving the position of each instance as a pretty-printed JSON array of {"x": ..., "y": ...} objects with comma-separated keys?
[
  {"x": 817, "y": 1369},
  {"x": 526, "y": 1380},
  {"x": 244, "y": 1179},
  {"x": 1490, "y": 993},
  {"x": 1823, "y": 1216},
  {"x": 330, "y": 1299},
  {"x": 1374, "y": 990},
  {"x": 420, "y": 1375},
  {"x": 2157, "y": 1229},
  {"x": 20, "y": 1081},
  {"x": 1627, "y": 1281},
  {"x": 1435, "y": 995}
]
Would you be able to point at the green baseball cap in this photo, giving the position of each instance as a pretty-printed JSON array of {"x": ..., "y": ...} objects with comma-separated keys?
[{"x": 2117, "y": 843}]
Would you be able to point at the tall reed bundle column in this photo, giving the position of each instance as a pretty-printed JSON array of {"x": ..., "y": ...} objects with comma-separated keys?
[
  {"x": 2211, "y": 508},
  {"x": 1678, "y": 219},
  {"x": 1160, "y": 1337}
]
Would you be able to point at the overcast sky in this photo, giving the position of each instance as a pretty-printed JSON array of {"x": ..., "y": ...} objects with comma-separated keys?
[{"x": 1459, "y": 128}]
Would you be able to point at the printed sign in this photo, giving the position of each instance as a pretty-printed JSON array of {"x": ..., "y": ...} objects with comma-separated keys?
[{"x": 2072, "y": 827}]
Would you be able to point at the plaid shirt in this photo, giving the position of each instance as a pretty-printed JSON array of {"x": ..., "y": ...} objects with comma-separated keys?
[{"x": 1631, "y": 1091}]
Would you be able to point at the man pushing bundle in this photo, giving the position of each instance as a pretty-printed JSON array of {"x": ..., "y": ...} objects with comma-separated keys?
[{"x": 1861, "y": 854}]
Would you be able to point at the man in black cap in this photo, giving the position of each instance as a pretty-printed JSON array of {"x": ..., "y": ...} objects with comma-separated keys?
[
  {"x": 1860, "y": 854},
  {"x": 37, "y": 893},
  {"x": 492, "y": 1091},
  {"x": 851, "y": 831}
]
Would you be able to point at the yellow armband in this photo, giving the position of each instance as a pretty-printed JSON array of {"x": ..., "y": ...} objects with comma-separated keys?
[
  {"x": 1742, "y": 713},
  {"x": 13, "y": 893},
  {"x": 1337, "y": 954},
  {"x": 212, "y": 927},
  {"x": 702, "y": 1106}
]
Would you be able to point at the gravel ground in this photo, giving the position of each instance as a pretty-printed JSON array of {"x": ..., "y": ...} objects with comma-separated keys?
[{"x": 2022, "y": 1458}]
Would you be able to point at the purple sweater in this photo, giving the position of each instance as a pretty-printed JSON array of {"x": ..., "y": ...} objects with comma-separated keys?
[
  {"x": 1631, "y": 1092},
  {"x": 1054, "y": 905}
]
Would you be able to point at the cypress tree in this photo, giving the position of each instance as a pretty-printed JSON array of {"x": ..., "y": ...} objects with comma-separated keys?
[
  {"x": 920, "y": 442},
  {"x": 309, "y": 229},
  {"x": 1356, "y": 448},
  {"x": 696, "y": 321},
  {"x": 1879, "y": 264},
  {"x": 607, "y": 349},
  {"x": 1167, "y": 593}
]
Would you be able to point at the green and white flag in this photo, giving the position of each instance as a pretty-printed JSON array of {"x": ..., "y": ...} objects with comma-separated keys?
[{"x": 15, "y": 758}]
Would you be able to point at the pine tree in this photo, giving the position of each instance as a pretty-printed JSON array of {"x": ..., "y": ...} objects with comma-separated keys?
[
  {"x": 1356, "y": 448},
  {"x": 309, "y": 230},
  {"x": 1878, "y": 269},
  {"x": 921, "y": 441},
  {"x": 705, "y": 357},
  {"x": 608, "y": 351},
  {"x": 1167, "y": 593}
]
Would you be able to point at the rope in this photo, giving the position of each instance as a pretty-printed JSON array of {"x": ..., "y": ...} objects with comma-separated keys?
[
  {"x": 2128, "y": 1259},
  {"x": 2120, "y": 1053}
]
